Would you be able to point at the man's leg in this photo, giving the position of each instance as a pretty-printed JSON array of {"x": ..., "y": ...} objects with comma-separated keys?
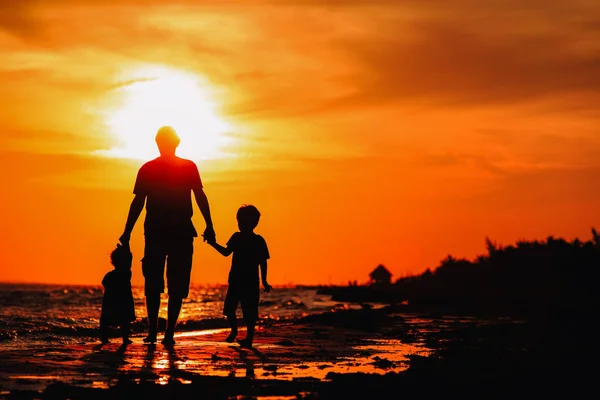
[
  {"x": 179, "y": 272},
  {"x": 152, "y": 308},
  {"x": 173, "y": 314},
  {"x": 153, "y": 269}
]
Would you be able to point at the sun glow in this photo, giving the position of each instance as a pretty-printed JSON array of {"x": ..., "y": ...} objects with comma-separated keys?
[{"x": 152, "y": 97}]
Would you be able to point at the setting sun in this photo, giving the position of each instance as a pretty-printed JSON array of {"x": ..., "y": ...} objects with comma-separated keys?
[{"x": 152, "y": 97}]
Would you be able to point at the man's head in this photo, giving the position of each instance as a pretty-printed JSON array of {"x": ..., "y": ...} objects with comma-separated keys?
[
  {"x": 247, "y": 217},
  {"x": 167, "y": 141}
]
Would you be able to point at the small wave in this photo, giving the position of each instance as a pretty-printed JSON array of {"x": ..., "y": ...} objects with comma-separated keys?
[{"x": 52, "y": 312}]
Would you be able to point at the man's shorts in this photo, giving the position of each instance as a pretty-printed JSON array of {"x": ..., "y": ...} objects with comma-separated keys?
[
  {"x": 176, "y": 254},
  {"x": 247, "y": 297}
]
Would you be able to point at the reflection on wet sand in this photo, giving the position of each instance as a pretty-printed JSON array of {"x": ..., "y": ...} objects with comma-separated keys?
[
  {"x": 283, "y": 352},
  {"x": 273, "y": 357},
  {"x": 249, "y": 361}
]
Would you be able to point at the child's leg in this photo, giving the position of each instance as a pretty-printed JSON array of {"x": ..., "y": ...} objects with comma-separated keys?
[
  {"x": 234, "y": 331},
  {"x": 229, "y": 309},
  {"x": 125, "y": 333},
  {"x": 104, "y": 330},
  {"x": 250, "y": 310},
  {"x": 247, "y": 342}
]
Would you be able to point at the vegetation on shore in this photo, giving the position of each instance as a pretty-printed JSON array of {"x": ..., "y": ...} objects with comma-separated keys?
[{"x": 530, "y": 278}]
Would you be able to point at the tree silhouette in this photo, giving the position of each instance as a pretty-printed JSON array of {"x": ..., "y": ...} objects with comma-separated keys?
[{"x": 540, "y": 278}]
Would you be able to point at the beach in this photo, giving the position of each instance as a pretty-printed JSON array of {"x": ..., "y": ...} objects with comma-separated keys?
[
  {"x": 289, "y": 352},
  {"x": 346, "y": 352}
]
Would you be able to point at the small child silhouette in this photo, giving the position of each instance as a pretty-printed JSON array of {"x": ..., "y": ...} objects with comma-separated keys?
[
  {"x": 117, "y": 303},
  {"x": 249, "y": 252}
]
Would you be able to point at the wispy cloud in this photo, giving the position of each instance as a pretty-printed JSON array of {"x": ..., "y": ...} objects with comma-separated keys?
[
  {"x": 309, "y": 56},
  {"x": 318, "y": 60}
]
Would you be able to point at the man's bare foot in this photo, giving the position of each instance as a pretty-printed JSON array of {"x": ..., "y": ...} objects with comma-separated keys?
[
  {"x": 244, "y": 343},
  {"x": 151, "y": 338},
  {"x": 231, "y": 337}
]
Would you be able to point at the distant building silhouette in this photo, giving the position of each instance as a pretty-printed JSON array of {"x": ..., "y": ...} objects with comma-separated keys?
[{"x": 380, "y": 276}]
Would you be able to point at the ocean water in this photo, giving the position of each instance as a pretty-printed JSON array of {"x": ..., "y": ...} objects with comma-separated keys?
[{"x": 32, "y": 313}]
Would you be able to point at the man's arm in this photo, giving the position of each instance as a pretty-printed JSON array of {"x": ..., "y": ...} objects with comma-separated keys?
[
  {"x": 202, "y": 201},
  {"x": 137, "y": 205}
]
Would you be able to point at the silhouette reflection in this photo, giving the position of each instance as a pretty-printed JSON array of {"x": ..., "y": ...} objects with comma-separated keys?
[
  {"x": 173, "y": 359},
  {"x": 149, "y": 358},
  {"x": 104, "y": 360},
  {"x": 249, "y": 363}
]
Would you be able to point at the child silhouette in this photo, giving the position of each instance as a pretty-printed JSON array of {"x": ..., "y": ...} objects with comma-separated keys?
[
  {"x": 249, "y": 252},
  {"x": 117, "y": 303}
]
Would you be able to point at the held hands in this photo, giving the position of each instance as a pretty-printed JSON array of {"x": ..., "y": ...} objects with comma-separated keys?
[
  {"x": 124, "y": 239},
  {"x": 267, "y": 286},
  {"x": 210, "y": 241},
  {"x": 209, "y": 235}
]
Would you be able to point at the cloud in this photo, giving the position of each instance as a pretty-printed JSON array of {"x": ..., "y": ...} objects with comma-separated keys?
[
  {"x": 548, "y": 188},
  {"x": 320, "y": 57},
  {"x": 462, "y": 160},
  {"x": 451, "y": 64}
]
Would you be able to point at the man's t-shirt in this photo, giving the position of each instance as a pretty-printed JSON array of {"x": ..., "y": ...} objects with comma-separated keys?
[
  {"x": 249, "y": 250},
  {"x": 167, "y": 184}
]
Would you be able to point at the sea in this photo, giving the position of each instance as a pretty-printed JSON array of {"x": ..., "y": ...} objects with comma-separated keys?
[{"x": 31, "y": 314}]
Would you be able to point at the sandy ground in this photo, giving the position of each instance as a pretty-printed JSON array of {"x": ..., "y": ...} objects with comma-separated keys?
[
  {"x": 283, "y": 352},
  {"x": 365, "y": 354}
]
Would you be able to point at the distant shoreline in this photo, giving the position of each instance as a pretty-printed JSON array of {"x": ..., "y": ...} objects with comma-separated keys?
[{"x": 289, "y": 286}]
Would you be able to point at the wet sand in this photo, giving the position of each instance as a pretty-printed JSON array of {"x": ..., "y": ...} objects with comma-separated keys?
[
  {"x": 292, "y": 352},
  {"x": 338, "y": 355}
]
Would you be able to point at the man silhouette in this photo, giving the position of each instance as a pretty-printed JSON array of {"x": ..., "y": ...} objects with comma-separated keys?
[{"x": 164, "y": 185}]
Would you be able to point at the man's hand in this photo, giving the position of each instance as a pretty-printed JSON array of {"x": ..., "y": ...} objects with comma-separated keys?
[
  {"x": 124, "y": 239},
  {"x": 209, "y": 235},
  {"x": 267, "y": 287},
  {"x": 211, "y": 240}
]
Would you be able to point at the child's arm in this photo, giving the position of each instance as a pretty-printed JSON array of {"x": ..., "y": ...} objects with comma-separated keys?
[
  {"x": 226, "y": 251},
  {"x": 263, "y": 274},
  {"x": 230, "y": 247}
]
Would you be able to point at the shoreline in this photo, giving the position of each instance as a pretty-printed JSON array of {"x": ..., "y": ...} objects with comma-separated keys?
[
  {"x": 283, "y": 352},
  {"x": 342, "y": 353}
]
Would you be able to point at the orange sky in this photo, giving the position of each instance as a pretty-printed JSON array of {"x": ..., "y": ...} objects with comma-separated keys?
[{"x": 366, "y": 132}]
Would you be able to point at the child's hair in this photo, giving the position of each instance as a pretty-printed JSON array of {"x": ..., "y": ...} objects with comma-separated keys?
[
  {"x": 248, "y": 215},
  {"x": 121, "y": 257}
]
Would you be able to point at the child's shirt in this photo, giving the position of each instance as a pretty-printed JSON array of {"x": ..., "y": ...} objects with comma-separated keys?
[{"x": 249, "y": 250}]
